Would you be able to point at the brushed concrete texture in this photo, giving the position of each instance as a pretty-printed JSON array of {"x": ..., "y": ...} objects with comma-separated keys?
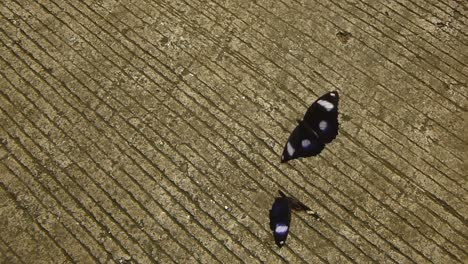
[{"x": 151, "y": 131}]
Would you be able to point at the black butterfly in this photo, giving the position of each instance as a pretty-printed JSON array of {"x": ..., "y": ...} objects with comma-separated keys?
[
  {"x": 280, "y": 216},
  {"x": 319, "y": 127}
]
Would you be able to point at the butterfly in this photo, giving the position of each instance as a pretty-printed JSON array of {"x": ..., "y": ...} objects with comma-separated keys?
[
  {"x": 280, "y": 216},
  {"x": 319, "y": 127}
]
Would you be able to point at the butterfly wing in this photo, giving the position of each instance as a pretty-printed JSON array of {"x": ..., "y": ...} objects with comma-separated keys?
[
  {"x": 302, "y": 142},
  {"x": 322, "y": 117},
  {"x": 280, "y": 219},
  {"x": 319, "y": 127}
]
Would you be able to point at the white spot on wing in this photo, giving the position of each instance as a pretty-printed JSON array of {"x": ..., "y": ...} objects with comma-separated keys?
[
  {"x": 281, "y": 229},
  {"x": 333, "y": 94},
  {"x": 290, "y": 149},
  {"x": 327, "y": 105},
  {"x": 305, "y": 143},
  {"x": 323, "y": 125}
]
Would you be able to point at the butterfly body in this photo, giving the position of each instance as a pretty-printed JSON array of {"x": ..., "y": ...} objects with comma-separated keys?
[
  {"x": 280, "y": 219},
  {"x": 318, "y": 127},
  {"x": 280, "y": 216}
]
